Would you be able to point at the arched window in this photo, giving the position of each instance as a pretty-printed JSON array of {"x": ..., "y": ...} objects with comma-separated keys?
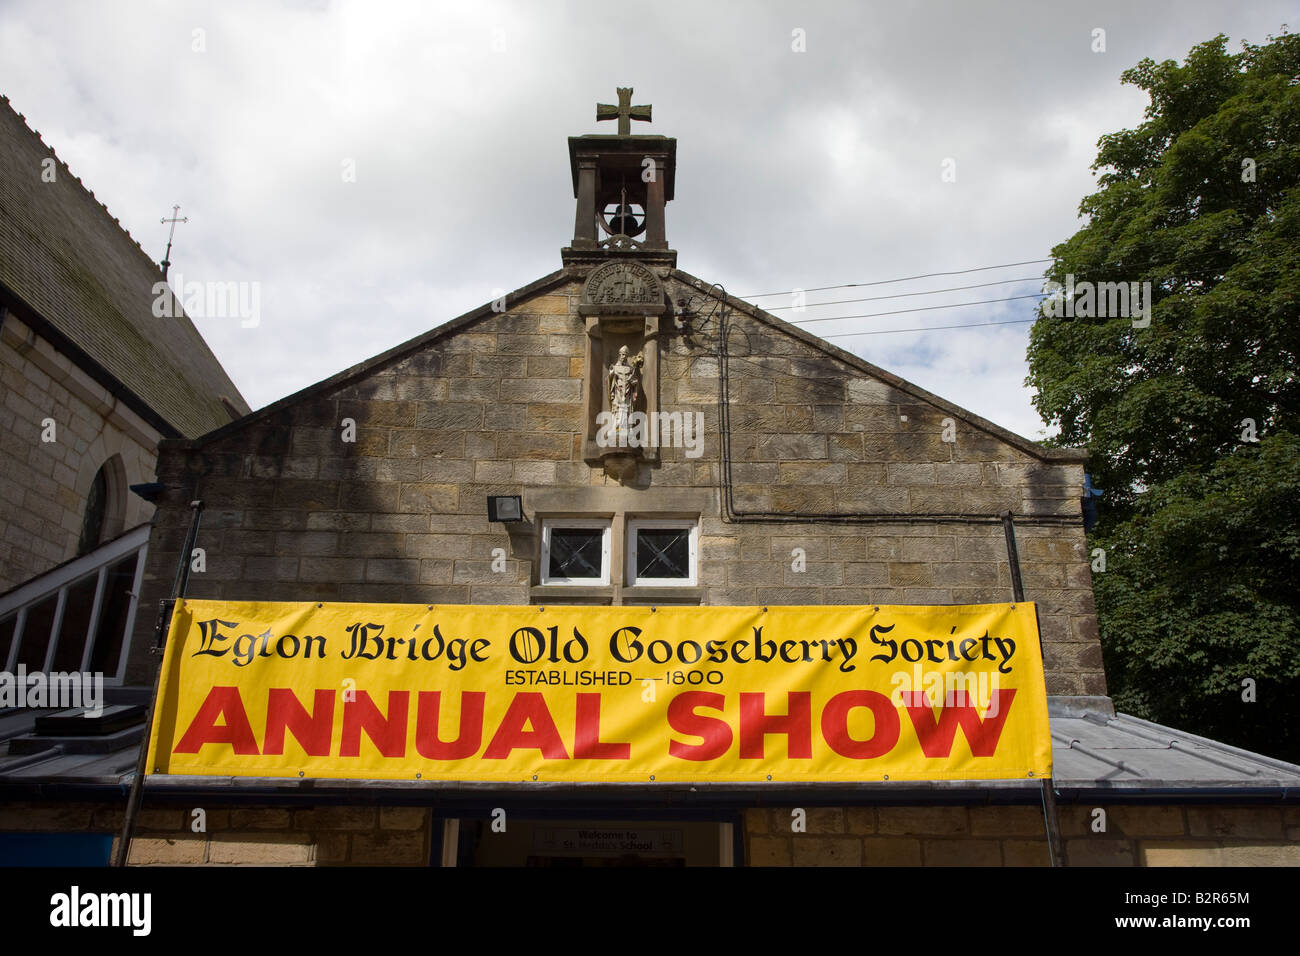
[
  {"x": 105, "y": 506},
  {"x": 92, "y": 522}
]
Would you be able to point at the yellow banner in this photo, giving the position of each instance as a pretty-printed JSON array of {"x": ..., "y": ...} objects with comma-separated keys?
[{"x": 602, "y": 694}]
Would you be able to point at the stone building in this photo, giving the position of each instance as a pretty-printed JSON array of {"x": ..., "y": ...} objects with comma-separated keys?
[
  {"x": 786, "y": 472},
  {"x": 92, "y": 381}
]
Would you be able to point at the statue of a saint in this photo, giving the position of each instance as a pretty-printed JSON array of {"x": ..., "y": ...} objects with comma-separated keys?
[{"x": 624, "y": 384}]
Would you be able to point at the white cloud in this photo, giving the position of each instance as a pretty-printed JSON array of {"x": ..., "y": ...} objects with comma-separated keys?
[{"x": 794, "y": 169}]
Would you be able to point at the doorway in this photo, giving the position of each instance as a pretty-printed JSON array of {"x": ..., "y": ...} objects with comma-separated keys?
[{"x": 523, "y": 839}]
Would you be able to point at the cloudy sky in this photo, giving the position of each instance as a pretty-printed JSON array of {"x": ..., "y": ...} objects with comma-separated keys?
[{"x": 796, "y": 168}]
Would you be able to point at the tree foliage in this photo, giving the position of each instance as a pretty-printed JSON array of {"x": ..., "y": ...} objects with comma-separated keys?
[{"x": 1192, "y": 422}]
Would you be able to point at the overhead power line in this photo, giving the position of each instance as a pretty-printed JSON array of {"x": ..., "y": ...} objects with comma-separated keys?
[
  {"x": 904, "y": 295},
  {"x": 1209, "y": 256},
  {"x": 928, "y": 328},
  {"x": 927, "y": 275},
  {"x": 922, "y": 308},
  {"x": 1213, "y": 255}
]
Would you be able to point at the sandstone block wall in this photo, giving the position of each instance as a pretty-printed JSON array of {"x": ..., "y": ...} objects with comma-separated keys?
[
  {"x": 1135, "y": 835},
  {"x": 295, "y": 512},
  {"x": 248, "y": 835},
  {"x": 45, "y": 485}
]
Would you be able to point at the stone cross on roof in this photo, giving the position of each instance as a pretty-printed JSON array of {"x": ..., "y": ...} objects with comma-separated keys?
[{"x": 625, "y": 112}]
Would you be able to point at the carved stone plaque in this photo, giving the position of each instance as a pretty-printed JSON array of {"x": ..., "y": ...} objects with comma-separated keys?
[{"x": 622, "y": 283}]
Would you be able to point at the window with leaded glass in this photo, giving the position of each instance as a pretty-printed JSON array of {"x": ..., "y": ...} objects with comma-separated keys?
[
  {"x": 662, "y": 552},
  {"x": 575, "y": 551}
]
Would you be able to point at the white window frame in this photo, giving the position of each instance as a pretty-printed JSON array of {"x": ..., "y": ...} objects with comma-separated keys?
[
  {"x": 667, "y": 524},
  {"x": 605, "y": 524}
]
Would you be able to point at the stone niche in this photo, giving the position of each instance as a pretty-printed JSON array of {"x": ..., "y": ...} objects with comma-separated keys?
[{"x": 622, "y": 303}]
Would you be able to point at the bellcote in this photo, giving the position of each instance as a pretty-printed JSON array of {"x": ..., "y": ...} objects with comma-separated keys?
[{"x": 621, "y": 183}]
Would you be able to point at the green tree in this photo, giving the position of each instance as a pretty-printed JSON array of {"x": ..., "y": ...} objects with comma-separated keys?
[{"x": 1192, "y": 421}]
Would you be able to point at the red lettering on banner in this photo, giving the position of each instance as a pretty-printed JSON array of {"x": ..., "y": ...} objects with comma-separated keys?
[
  {"x": 469, "y": 737},
  {"x": 795, "y": 723},
  {"x": 226, "y": 703},
  {"x": 835, "y": 724},
  {"x": 714, "y": 731},
  {"x": 528, "y": 724},
  {"x": 314, "y": 731},
  {"x": 586, "y": 733},
  {"x": 386, "y": 733},
  {"x": 527, "y": 708},
  {"x": 936, "y": 736}
]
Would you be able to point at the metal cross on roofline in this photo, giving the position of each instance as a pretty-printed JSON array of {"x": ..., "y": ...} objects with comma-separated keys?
[
  {"x": 166, "y": 262},
  {"x": 625, "y": 112}
]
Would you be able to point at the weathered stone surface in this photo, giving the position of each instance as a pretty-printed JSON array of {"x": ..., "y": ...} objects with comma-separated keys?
[
  {"x": 1142, "y": 821},
  {"x": 961, "y": 852},
  {"x": 1255, "y": 854},
  {"x": 860, "y": 820},
  {"x": 331, "y": 848},
  {"x": 498, "y": 409},
  {"x": 535, "y": 473},
  {"x": 825, "y": 820},
  {"x": 936, "y": 821},
  {"x": 437, "y": 545},
  {"x": 388, "y": 848},
  {"x": 1235, "y": 822},
  {"x": 803, "y": 473},
  {"x": 769, "y": 851},
  {"x": 331, "y": 569},
  {"x": 1099, "y": 852},
  {"x": 449, "y": 415},
  {"x": 555, "y": 418},
  {"x": 815, "y": 575},
  {"x": 392, "y": 570},
  {"x": 866, "y": 574},
  {"x": 1007, "y": 821},
  {"x": 890, "y": 851},
  {"x": 179, "y": 850},
  {"x": 915, "y": 574},
  {"x": 533, "y": 446},
  {"x": 336, "y": 818},
  {"x": 426, "y": 496},
  {"x": 260, "y": 818},
  {"x": 826, "y": 851},
  {"x": 791, "y": 447},
  {"x": 425, "y": 443},
  {"x": 1025, "y": 853},
  {"x": 546, "y": 305},
  {"x": 1179, "y": 853},
  {"x": 271, "y": 569},
  {"x": 337, "y": 521},
  {"x": 259, "y": 849},
  {"x": 846, "y": 447},
  {"x": 541, "y": 390},
  {"x": 473, "y": 389}
]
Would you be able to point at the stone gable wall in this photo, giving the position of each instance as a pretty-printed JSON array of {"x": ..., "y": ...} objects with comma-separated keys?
[{"x": 293, "y": 512}]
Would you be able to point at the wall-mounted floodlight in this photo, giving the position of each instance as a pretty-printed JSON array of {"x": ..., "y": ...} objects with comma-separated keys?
[{"x": 505, "y": 508}]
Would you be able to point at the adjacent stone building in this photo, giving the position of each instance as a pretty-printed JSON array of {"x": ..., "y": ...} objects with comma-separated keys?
[
  {"x": 91, "y": 380},
  {"x": 786, "y": 471}
]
